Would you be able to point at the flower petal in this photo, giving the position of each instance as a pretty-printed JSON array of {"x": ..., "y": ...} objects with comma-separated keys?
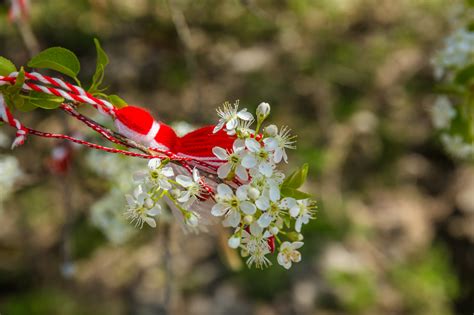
[
  {"x": 278, "y": 155},
  {"x": 266, "y": 169},
  {"x": 219, "y": 126},
  {"x": 241, "y": 173},
  {"x": 270, "y": 144},
  {"x": 255, "y": 229},
  {"x": 234, "y": 241},
  {"x": 167, "y": 171},
  {"x": 247, "y": 207},
  {"x": 242, "y": 192},
  {"x": 232, "y": 219},
  {"x": 154, "y": 211},
  {"x": 224, "y": 191},
  {"x": 294, "y": 211},
  {"x": 265, "y": 220},
  {"x": 274, "y": 193},
  {"x": 249, "y": 161},
  {"x": 232, "y": 123},
  {"x": 253, "y": 145},
  {"x": 150, "y": 221},
  {"x": 219, "y": 210},
  {"x": 224, "y": 170},
  {"x": 245, "y": 115},
  {"x": 154, "y": 163},
  {"x": 220, "y": 153},
  {"x": 263, "y": 203},
  {"x": 184, "y": 180}
]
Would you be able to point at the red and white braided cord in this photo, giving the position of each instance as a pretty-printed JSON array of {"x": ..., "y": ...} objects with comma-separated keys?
[
  {"x": 18, "y": 10},
  {"x": 7, "y": 117}
]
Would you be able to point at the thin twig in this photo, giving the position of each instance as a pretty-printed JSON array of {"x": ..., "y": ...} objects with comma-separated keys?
[{"x": 28, "y": 37}]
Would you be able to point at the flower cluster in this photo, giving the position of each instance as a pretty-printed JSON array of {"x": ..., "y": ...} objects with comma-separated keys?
[
  {"x": 452, "y": 113},
  {"x": 264, "y": 208},
  {"x": 162, "y": 182}
]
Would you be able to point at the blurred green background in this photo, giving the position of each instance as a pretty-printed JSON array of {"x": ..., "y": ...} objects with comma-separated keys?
[{"x": 395, "y": 226}]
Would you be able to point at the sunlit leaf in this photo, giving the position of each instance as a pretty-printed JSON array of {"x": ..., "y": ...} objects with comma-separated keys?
[
  {"x": 59, "y": 59},
  {"x": 6, "y": 66}
]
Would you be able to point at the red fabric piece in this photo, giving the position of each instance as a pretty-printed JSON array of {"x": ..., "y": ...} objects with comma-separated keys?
[
  {"x": 198, "y": 143},
  {"x": 135, "y": 118}
]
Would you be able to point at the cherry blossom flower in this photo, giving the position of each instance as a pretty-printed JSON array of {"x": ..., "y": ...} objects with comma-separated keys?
[
  {"x": 268, "y": 185},
  {"x": 234, "y": 160},
  {"x": 273, "y": 210},
  {"x": 279, "y": 142},
  {"x": 157, "y": 175},
  {"x": 231, "y": 205},
  {"x": 288, "y": 254},
  {"x": 193, "y": 189},
  {"x": 302, "y": 210},
  {"x": 141, "y": 208},
  {"x": 255, "y": 245},
  {"x": 229, "y": 117},
  {"x": 258, "y": 157}
]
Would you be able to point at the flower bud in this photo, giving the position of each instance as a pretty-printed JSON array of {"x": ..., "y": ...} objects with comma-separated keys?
[
  {"x": 271, "y": 130},
  {"x": 175, "y": 193},
  {"x": 248, "y": 219},
  {"x": 253, "y": 193},
  {"x": 149, "y": 203},
  {"x": 234, "y": 241},
  {"x": 274, "y": 230},
  {"x": 263, "y": 110}
]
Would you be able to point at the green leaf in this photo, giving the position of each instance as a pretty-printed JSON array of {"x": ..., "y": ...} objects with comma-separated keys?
[
  {"x": 294, "y": 193},
  {"x": 6, "y": 66},
  {"x": 102, "y": 62},
  {"x": 23, "y": 105},
  {"x": 465, "y": 75},
  {"x": 297, "y": 178},
  {"x": 46, "y": 101},
  {"x": 117, "y": 101},
  {"x": 102, "y": 58},
  {"x": 15, "y": 89},
  {"x": 59, "y": 59}
]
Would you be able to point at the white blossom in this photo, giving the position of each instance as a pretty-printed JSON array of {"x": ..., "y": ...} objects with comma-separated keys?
[
  {"x": 141, "y": 208},
  {"x": 288, "y": 254},
  {"x": 157, "y": 175},
  {"x": 231, "y": 205},
  {"x": 442, "y": 112},
  {"x": 234, "y": 160},
  {"x": 255, "y": 245},
  {"x": 273, "y": 210},
  {"x": 229, "y": 117},
  {"x": 192, "y": 187},
  {"x": 278, "y": 144},
  {"x": 234, "y": 241},
  {"x": 258, "y": 157},
  {"x": 269, "y": 186},
  {"x": 303, "y": 211}
]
